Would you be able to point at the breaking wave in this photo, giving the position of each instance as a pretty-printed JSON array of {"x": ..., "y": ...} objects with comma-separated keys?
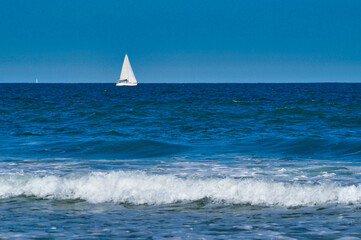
[{"x": 142, "y": 188}]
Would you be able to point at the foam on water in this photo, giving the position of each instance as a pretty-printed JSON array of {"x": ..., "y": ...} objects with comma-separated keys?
[{"x": 137, "y": 187}]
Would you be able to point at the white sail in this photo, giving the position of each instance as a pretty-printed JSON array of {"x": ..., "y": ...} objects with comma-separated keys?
[{"x": 127, "y": 71}]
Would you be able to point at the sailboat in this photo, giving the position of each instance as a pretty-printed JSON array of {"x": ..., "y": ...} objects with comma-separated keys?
[
  {"x": 36, "y": 80},
  {"x": 127, "y": 77}
]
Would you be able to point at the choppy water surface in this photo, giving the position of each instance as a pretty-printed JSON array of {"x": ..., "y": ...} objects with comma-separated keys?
[{"x": 192, "y": 161}]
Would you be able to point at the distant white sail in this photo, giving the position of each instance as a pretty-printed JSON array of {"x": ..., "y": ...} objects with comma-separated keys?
[{"x": 127, "y": 72}]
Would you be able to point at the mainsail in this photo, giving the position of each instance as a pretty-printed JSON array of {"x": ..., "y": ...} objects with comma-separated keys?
[{"x": 127, "y": 71}]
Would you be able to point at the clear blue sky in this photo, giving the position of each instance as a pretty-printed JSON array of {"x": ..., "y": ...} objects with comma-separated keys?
[{"x": 181, "y": 41}]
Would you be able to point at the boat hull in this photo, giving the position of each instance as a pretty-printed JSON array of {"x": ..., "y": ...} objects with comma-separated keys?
[{"x": 118, "y": 84}]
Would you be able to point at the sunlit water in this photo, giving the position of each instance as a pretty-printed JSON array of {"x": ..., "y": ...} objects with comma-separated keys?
[{"x": 212, "y": 161}]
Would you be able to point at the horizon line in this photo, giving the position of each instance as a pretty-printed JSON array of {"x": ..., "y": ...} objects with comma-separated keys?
[{"x": 175, "y": 82}]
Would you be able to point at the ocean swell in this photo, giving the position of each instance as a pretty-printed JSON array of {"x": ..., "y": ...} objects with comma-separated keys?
[{"x": 137, "y": 187}]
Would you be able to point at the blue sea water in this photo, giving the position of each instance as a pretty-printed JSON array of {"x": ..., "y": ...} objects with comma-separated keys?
[{"x": 180, "y": 161}]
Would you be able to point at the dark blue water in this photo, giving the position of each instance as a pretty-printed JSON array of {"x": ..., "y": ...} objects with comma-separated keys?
[{"x": 189, "y": 161}]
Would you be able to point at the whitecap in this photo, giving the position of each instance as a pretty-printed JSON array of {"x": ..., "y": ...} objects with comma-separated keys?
[{"x": 137, "y": 187}]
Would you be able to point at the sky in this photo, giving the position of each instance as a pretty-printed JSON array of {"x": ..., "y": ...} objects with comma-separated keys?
[{"x": 181, "y": 41}]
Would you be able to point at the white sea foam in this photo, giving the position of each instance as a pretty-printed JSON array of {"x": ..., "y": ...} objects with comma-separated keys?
[{"x": 142, "y": 188}]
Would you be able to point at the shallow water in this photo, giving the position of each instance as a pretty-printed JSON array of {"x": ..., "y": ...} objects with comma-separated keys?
[{"x": 180, "y": 161}]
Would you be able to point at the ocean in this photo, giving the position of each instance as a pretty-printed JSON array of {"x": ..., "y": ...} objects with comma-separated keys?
[{"x": 180, "y": 161}]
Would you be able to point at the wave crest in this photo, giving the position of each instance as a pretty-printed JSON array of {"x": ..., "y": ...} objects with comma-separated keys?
[{"x": 142, "y": 188}]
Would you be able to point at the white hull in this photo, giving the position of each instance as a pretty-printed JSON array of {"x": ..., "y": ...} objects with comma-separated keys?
[{"x": 125, "y": 84}]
